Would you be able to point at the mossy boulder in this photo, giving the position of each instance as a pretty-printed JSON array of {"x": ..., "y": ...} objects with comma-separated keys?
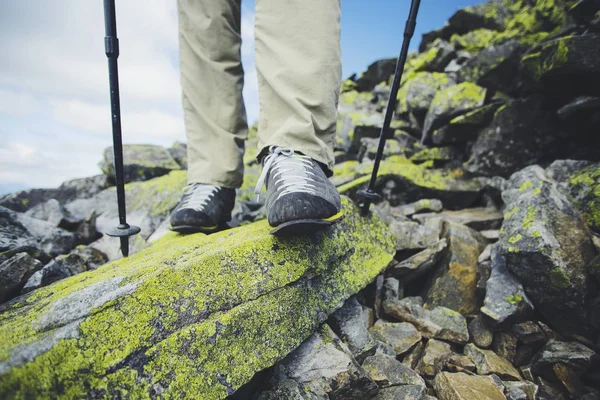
[
  {"x": 548, "y": 247},
  {"x": 407, "y": 182},
  {"x": 188, "y": 315},
  {"x": 465, "y": 127},
  {"x": 140, "y": 162},
  {"x": 451, "y": 102},
  {"x": 416, "y": 95},
  {"x": 567, "y": 66}
]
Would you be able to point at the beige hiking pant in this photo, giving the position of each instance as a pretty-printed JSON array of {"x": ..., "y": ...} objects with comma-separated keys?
[{"x": 298, "y": 61}]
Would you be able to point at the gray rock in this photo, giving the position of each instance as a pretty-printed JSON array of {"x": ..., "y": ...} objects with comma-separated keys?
[
  {"x": 505, "y": 299},
  {"x": 387, "y": 371},
  {"x": 419, "y": 206},
  {"x": 377, "y": 72},
  {"x": 484, "y": 270},
  {"x": 68, "y": 191},
  {"x": 14, "y": 273},
  {"x": 548, "y": 248},
  {"x": 460, "y": 386},
  {"x": 523, "y": 132},
  {"x": 488, "y": 362},
  {"x": 480, "y": 332},
  {"x": 517, "y": 389},
  {"x": 505, "y": 345},
  {"x": 450, "y": 103},
  {"x": 491, "y": 235},
  {"x": 454, "y": 283},
  {"x": 51, "y": 211},
  {"x": 486, "y": 254},
  {"x": 286, "y": 389},
  {"x": 459, "y": 363},
  {"x": 17, "y": 229},
  {"x": 529, "y": 332},
  {"x": 583, "y": 187},
  {"x": 571, "y": 354},
  {"x": 391, "y": 289},
  {"x": 412, "y": 235},
  {"x": 140, "y": 162},
  {"x": 407, "y": 392},
  {"x": 401, "y": 336},
  {"x": 324, "y": 366},
  {"x": 562, "y": 170},
  {"x": 466, "y": 127},
  {"x": 457, "y": 63},
  {"x": 419, "y": 264},
  {"x": 495, "y": 67},
  {"x": 579, "y": 105},
  {"x": 476, "y": 218},
  {"x": 579, "y": 67},
  {"x": 439, "y": 322},
  {"x": 351, "y": 324},
  {"x": 413, "y": 357},
  {"x": 416, "y": 94},
  {"x": 434, "y": 358},
  {"x": 179, "y": 154}
]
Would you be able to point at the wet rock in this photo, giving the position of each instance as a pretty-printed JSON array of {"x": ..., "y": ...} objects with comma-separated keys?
[
  {"x": 505, "y": 299},
  {"x": 407, "y": 392},
  {"x": 460, "y": 386},
  {"x": 419, "y": 264},
  {"x": 454, "y": 284},
  {"x": 465, "y": 127},
  {"x": 547, "y": 247},
  {"x": 571, "y": 354},
  {"x": 141, "y": 162},
  {"x": 449, "y": 103},
  {"x": 434, "y": 358},
  {"x": 523, "y": 132},
  {"x": 412, "y": 235},
  {"x": 417, "y": 94},
  {"x": 439, "y": 322},
  {"x": 495, "y": 67},
  {"x": 179, "y": 154},
  {"x": 488, "y": 362},
  {"x": 419, "y": 206},
  {"x": 18, "y": 229},
  {"x": 68, "y": 191},
  {"x": 351, "y": 324},
  {"x": 323, "y": 366},
  {"x": 377, "y": 72},
  {"x": 480, "y": 332},
  {"x": 387, "y": 371},
  {"x": 14, "y": 273},
  {"x": 476, "y": 218},
  {"x": 569, "y": 65},
  {"x": 401, "y": 336}
]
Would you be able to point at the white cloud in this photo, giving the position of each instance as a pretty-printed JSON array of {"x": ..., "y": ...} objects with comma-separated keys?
[{"x": 54, "y": 85}]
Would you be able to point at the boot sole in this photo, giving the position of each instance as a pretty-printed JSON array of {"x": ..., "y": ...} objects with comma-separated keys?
[
  {"x": 200, "y": 229},
  {"x": 305, "y": 226}
]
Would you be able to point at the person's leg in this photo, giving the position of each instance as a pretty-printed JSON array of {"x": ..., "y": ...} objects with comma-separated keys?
[
  {"x": 298, "y": 61},
  {"x": 212, "y": 78}
]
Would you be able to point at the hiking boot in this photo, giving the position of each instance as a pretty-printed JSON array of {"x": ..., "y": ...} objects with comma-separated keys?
[
  {"x": 203, "y": 208},
  {"x": 298, "y": 192}
]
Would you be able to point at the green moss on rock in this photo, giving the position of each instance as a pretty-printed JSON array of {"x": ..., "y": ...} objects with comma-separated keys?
[{"x": 188, "y": 315}]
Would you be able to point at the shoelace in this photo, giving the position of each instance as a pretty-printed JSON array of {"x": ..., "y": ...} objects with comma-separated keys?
[
  {"x": 289, "y": 169},
  {"x": 197, "y": 195}
]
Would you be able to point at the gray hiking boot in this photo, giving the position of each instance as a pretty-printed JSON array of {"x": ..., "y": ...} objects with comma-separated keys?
[
  {"x": 203, "y": 208},
  {"x": 299, "y": 195}
]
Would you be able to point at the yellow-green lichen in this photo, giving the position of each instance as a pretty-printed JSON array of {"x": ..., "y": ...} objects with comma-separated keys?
[
  {"x": 549, "y": 57},
  {"x": 526, "y": 185},
  {"x": 516, "y": 238},
  {"x": 511, "y": 212},
  {"x": 515, "y": 299},
  {"x": 224, "y": 304}
]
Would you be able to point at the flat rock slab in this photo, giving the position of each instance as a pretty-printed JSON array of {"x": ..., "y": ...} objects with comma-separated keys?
[
  {"x": 461, "y": 386},
  {"x": 190, "y": 314},
  {"x": 476, "y": 218}
]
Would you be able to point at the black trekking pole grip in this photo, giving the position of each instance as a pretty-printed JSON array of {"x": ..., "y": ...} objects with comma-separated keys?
[
  {"x": 370, "y": 195},
  {"x": 111, "y": 48}
]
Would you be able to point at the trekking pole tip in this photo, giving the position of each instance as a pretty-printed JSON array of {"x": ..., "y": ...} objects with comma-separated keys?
[{"x": 123, "y": 231}]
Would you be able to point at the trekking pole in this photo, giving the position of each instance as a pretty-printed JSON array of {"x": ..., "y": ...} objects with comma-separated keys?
[
  {"x": 370, "y": 195},
  {"x": 111, "y": 46}
]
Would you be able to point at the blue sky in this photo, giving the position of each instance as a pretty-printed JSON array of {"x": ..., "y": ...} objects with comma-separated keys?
[{"x": 54, "y": 118}]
